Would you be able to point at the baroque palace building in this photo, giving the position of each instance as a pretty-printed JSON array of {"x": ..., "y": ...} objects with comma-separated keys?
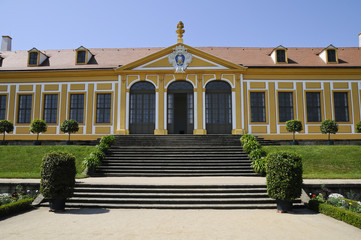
[{"x": 181, "y": 90}]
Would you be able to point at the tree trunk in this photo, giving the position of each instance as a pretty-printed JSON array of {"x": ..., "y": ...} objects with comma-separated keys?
[
  {"x": 293, "y": 136},
  {"x": 68, "y": 136},
  {"x": 4, "y": 137},
  {"x": 37, "y": 137}
]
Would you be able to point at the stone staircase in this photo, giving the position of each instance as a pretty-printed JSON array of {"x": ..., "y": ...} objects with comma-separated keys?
[
  {"x": 143, "y": 156},
  {"x": 175, "y": 156},
  {"x": 171, "y": 196}
]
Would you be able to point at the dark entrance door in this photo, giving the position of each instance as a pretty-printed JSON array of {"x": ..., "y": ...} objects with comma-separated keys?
[
  {"x": 142, "y": 108},
  {"x": 218, "y": 108},
  {"x": 180, "y": 108}
]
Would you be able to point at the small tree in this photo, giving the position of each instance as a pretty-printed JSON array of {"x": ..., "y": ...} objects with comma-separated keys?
[
  {"x": 328, "y": 127},
  {"x": 69, "y": 126},
  {"x": 38, "y": 126},
  {"x": 6, "y": 127},
  {"x": 358, "y": 127},
  {"x": 294, "y": 126}
]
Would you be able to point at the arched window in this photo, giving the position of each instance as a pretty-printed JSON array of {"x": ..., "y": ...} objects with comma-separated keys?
[
  {"x": 142, "y": 108},
  {"x": 218, "y": 108}
]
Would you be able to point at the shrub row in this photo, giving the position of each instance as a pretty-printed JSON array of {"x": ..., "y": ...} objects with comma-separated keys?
[
  {"x": 255, "y": 153},
  {"x": 336, "y": 212},
  {"x": 95, "y": 158},
  {"x": 15, "y": 207}
]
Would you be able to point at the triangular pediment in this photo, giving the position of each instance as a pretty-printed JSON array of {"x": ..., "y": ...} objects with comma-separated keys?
[{"x": 200, "y": 61}]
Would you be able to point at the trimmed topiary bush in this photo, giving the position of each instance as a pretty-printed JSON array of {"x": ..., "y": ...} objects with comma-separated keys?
[
  {"x": 328, "y": 127},
  {"x": 6, "y": 127},
  {"x": 257, "y": 154},
  {"x": 109, "y": 140},
  {"x": 358, "y": 127},
  {"x": 284, "y": 175},
  {"x": 250, "y": 146},
  {"x": 38, "y": 126},
  {"x": 246, "y": 138},
  {"x": 294, "y": 126},
  {"x": 69, "y": 126},
  {"x": 57, "y": 175}
]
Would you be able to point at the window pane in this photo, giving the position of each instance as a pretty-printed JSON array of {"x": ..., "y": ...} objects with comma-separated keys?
[
  {"x": 24, "y": 110},
  {"x": 313, "y": 107},
  {"x": 281, "y": 56},
  {"x": 33, "y": 58},
  {"x": 80, "y": 57},
  {"x": 258, "y": 108},
  {"x": 103, "y": 108},
  {"x": 77, "y": 107},
  {"x": 331, "y": 55},
  {"x": 285, "y": 106},
  {"x": 50, "y": 108},
  {"x": 341, "y": 106},
  {"x": 2, "y": 107}
]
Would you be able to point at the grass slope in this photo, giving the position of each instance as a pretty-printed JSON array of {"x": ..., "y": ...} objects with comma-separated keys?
[
  {"x": 25, "y": 161},
  {"x": 326, "y": 161}
]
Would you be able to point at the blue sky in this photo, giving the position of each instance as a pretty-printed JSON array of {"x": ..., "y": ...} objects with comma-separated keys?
[{"x": 67, "y": 24}]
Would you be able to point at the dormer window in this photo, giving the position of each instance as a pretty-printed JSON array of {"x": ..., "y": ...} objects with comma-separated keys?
[
  {"x": 83, "y": 55},
  {"x": 329, "y": 54},
  {"x": 279, "y": 55},
  {"x": 35, "y": 57}
]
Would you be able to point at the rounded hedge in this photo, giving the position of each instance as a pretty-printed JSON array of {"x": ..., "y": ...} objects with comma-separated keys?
[
  {"x": 38, "y": 126},
  {"x": 57, "y": 175},
  {"x": 246, "y": 138},
  {"x": 294, "y": 126},
  {"x": 251, "y": 145},
  {"x": 69, "y": 126},
  {"x": 284, "y": 175},
  {"x": 329, "y": 126}
]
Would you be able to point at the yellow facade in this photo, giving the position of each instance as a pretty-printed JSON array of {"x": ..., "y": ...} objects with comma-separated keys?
[{"x": 204, "y": 69}]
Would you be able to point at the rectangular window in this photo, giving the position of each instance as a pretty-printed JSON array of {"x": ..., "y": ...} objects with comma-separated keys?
[
  {"x": 80, "y": 58},
  {"x": 258, "y": 107},
  {"x": 2, "y": 107},
  {"x": 285, "y": 106},
  {"x": 331, "y": 55},
  {"x": 281, "y": 56},
  {"x": 341, "y": 106},
  {"x": 104, "y": 102},
  {"x": 313, "y": 101},
  {"x": 33, "y": 58},
  {"x": 50, "y": 108},
  {"x": 77, "y": 107},
  {"x": 24, "y": 111}
]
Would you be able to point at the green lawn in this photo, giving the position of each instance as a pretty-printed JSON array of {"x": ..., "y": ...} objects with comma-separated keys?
[
  {"x": 326, "y": 161},
  {"x": 25, "y": 161}
]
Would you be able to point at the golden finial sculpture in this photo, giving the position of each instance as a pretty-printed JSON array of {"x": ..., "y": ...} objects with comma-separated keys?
[{"x": 180, "y": 31}]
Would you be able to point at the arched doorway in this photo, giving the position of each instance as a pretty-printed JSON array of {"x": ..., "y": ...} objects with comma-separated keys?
[
  {"x": 142, "y": 108},
  {"x": 218, "y": 108},
  {"x": 180, "y": 108}
]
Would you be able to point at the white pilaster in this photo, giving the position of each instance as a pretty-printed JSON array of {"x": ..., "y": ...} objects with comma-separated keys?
[
  {"x": 127, "y": 111},
  {"x": 156, "y": 110},
  {"x": 233, "y": 110},
  {"x": 204, "y": 110},
  {"x": 119, "y": 101},
  {"x": 165, "y": 110},
  {"x": 195, "y": 110}
]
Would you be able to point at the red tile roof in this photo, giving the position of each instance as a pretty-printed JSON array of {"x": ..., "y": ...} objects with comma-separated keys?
[{"x": 113, "y": 57}]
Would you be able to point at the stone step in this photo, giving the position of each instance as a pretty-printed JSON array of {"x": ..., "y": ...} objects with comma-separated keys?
[
  {"x": 170, "y": 189},
  {"x": 124, "y": 168},
  {"x": 162, "y": 163},
  {"x": 189, "y": 174}
]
